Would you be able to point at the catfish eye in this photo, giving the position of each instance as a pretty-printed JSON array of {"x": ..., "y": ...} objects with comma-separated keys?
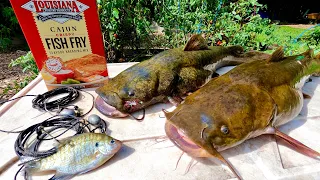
[
  {"x": 97, "y": 144},
  {"x": 112, "y": 141},
  {"x": 224, "y": 129},
  {"x": 130, "y": 93}
]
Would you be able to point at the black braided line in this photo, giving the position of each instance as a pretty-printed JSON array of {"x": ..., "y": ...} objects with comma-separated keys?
[{"x": 40, "y": 101}]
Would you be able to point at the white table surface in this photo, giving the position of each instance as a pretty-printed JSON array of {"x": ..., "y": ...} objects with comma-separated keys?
[{"x": 153, "y": 159}]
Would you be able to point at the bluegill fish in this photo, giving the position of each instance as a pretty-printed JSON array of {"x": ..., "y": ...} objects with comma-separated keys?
[
  {"x": 252, "y": 99},
  {"x": 172, "y": 73},
  {"x": 77, "y": 155}
]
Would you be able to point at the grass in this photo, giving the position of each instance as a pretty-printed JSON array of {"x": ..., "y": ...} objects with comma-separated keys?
[
  {"x": 286, "y": 31},
  {"x": 285, "y": 36}
]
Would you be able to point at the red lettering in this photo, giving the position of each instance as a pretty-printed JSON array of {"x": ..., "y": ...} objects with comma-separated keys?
[
  {"x": 36, "y": 6},
  {"x": 63, "y": 5},
  {"x": 40, "y": 5},
  {"x": 74, "y": 7}
]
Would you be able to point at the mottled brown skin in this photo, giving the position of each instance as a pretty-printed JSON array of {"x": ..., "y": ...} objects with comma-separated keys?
[
  {"x": 173, "y": 72},
  {"x": 247, "y": 100}
]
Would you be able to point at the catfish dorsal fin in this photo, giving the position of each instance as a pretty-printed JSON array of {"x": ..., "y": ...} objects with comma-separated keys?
[
  {"x": 309, "y": 53},
  {"x": 195, "y": 43},
  {"x": 277, "y": 55}
]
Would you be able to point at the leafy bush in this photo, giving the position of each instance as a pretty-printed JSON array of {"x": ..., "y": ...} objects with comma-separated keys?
[
  {"x": 27, "y": 63},
  {"x": 9, "y": 26},
  {"x": 182, "y": 18},
  {"x": 28, "y": 66},
  {"x": 240, "y": 24},
  {"x": 125, "y": 24},
  {"x": 313, "y": 36}
]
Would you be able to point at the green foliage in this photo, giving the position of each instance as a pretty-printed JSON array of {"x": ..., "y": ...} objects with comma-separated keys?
[
  {"x": 313, "y": 36},
  {"x": 17, "y": 86},
  {"x": 129, "y": 25},
  {"x": 27, "y": 63},
  {"x": 9, "y": 26},
  {"x": 182, "y": 18},
  {"x": 240, "y": 24},
  {"x": 28, "y": 66},
  {"x": 125, "y": 24}
]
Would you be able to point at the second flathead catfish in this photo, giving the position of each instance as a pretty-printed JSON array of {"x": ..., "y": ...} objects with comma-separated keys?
[
  {"x": 252, "y": 99},
  {"x": 171, "y": 73}
]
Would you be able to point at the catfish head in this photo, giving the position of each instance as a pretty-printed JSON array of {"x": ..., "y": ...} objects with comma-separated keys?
[
  {"x": 219, "y": 117},
  {"x": 126, "y": 93}
]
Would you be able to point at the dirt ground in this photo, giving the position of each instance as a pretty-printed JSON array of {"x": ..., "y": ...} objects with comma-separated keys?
[{"x": 9, "y": 75}]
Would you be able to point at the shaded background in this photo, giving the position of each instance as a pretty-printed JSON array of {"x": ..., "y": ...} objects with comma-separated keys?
[{"x": 290, "y": 11}]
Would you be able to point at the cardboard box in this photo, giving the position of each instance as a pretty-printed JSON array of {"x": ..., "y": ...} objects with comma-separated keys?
[{"x": 65, "y": 39}]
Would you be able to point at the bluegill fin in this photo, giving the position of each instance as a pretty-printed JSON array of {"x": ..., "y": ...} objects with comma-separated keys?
[
  {"x": 195, "y": 43},
  {"x": 62, "y": 142},
  {"x": 277, "y": 55},
  {"x": 298, "y": 146},
  {"x": 60, "y": 176}
]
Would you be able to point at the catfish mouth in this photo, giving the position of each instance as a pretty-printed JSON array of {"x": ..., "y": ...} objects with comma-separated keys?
[
  {"x": 107, "y": 105},
  {"x": 108, "y": 110},
  {"x": 183, "y": 142}
]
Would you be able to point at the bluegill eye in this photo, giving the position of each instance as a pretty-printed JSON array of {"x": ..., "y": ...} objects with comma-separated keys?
[
  {"x": 224, "y": 129},
  {"x": 112, "y": 141},
  {"x": 97, "y": 144},
  {"x": 130, "y": 93}
]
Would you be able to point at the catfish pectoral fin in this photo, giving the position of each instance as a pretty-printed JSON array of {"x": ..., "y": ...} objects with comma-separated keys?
[{"x": 298, "y": 146}]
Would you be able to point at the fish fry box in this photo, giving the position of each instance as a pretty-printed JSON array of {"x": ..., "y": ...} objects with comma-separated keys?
[{"x": 65, "y": 39}]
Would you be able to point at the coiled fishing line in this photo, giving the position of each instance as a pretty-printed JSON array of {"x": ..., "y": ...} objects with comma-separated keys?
[
  {"x": 42, "y": 102},
  {"x": 43, "y": 130}
]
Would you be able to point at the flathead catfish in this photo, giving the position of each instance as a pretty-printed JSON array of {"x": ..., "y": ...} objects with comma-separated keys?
[
  {"x": 252, "y": 99},
  {"x": 171, "y": 73}
]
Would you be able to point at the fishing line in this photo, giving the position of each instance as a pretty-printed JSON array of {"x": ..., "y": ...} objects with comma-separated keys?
[
  {"x": 41, "y": 100},
  {"x": 2, "y": 102},
  {"x": 42, "y": 103},
  {"x": 30, "y": 152},
  {"x": 53, "y": 123}
]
